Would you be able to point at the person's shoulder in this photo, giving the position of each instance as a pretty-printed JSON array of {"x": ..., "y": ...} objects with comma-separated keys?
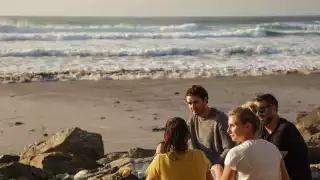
[
  {"x": 287, "y": 126},
  {"x": 195, "y": 152},
  {"x": 218, "y": 115},
  {"x": 266, "y": 143}
]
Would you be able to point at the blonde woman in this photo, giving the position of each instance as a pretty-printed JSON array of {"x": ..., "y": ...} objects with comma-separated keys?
[{"x": 252, "y": 159}]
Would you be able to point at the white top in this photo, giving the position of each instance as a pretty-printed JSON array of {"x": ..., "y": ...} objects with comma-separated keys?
[{"x": 255, "y": 160}]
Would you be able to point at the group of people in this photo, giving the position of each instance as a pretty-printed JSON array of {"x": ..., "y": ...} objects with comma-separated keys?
[{"x": 251, "y": 142}]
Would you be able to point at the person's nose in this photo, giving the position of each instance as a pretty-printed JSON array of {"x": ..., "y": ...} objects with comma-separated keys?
[{"x": 228, "y": 130}]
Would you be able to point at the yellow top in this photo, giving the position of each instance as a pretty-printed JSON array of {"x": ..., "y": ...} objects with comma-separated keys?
[{"x": 191, "y": 165}]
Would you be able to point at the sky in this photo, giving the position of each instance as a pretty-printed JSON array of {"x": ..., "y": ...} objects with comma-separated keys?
[{"x": 159, "y": 7}]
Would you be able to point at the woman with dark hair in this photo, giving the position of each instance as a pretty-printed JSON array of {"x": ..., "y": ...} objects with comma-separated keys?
[
  {"x": 252, "y": 159},
  {"x": 177, "y": 162}
]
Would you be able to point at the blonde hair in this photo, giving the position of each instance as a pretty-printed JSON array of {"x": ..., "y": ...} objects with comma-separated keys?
[
  {"x": 246, "y": 115},
  {"x": 252, "y": 105}
]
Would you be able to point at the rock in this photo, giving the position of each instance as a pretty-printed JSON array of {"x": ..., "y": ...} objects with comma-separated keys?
[
  {"x": 17, "y": 170},
  {"x": 156, "y": 129},
  {"x": 73, "y": 140},
  {"x": 176, "y": 93},
  {"x": 314, "y": 154},
  {"x": 309, "y": 124},
  {"x": 315, "y": 170},
  {"x": 120, "y": 162},
  {"x": 59, "y": 163},
  {"x": 141, "y": 153},
  {"x": 8, "y": 158},
  {"x": 101, "y": 173},
  {"x": 112, "y": 157},
  {"x": 64, "y": 176},
  {"x": 65, "y": 152},
  {"x": 18, "y": 123},
  {"x": 81, "y": 175}
]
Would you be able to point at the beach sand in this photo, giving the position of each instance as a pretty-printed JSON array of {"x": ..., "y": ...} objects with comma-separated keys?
[{"x": 124, "y": 112}]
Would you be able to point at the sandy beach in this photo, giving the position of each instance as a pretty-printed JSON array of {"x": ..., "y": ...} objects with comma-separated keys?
[{"x": 124, "y": 112}]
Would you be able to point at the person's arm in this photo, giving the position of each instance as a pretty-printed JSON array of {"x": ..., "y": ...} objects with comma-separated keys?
[
  {"x": 192, "y": 142},
  {"x": 152, "y": 171},
  {"x": 224, "y": 174},
  {"x": 226, "y": 141},
  {"x": 284, "y": 172},
  {"x": 160, "y": 148},
  {"x": 209, "y": 176},
  {"x": 150, "y": 177}
]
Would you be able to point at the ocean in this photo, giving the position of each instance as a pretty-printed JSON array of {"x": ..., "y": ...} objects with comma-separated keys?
[{"x": 94, "y": 48}]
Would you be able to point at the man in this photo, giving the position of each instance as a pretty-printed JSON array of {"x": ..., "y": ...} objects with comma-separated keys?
[
  {"x": 208, "y": 126},
  {"x": 285, "y": 136}
]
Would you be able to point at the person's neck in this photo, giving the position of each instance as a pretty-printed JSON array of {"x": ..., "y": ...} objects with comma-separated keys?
[
  {"x": 205, "y": 113},
  {"x": 249, "y": 137},
  {"x": 272, "y": 125}
]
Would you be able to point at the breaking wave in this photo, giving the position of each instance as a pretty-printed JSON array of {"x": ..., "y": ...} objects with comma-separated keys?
[{"x": 155, "y": 52}]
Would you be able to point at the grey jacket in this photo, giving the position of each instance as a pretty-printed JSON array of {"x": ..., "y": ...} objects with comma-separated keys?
[{"x": 210, "y": 135}]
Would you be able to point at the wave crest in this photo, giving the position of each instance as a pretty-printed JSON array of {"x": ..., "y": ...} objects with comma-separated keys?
[{"x": 155, "y": 52}]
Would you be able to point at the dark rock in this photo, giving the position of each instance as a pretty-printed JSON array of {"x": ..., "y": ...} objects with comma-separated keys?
[
  {"x": 59, "y": 163},
  {"x": 18, "y": 123},
  {"x": 176, "y": 93},
  {"x": 112, "y": 157},
  {"x": 141, "y": 153},
  {"x": 315, "y": 170},
  {"x": 314, "y": 154},
  {"x": 8, "y": 158},
  {"x": 17, "y": 170},
  {"x": 102, "y": 117},
  {"x": 45, "y": 134},
  {"x": 156, "y": 129},
  {"x": 116, "y": 102}
]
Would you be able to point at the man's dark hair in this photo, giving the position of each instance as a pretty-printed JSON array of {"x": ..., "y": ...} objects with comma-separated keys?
[
  {"x": 177, "y": 131},
  {"x": 268, "y": 98},
  {"x": 199, "y": 91}
]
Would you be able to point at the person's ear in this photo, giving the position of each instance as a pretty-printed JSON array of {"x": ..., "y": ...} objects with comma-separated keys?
[
  {"x": 205, "y": 100},
  {"x": 248, "y": 126}
]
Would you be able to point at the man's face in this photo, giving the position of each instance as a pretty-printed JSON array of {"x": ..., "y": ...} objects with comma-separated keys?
[
  {"x": 196, "y": 105},
  {"x": 266, "y": 112}
]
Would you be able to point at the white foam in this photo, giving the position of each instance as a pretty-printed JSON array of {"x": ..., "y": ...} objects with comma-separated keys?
[
  {"x": 6, "y": 27},
  {"x": 164, "y": 51}
]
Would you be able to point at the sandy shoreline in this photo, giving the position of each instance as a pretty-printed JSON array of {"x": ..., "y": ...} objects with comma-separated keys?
[{"x": 143, "y": 104}]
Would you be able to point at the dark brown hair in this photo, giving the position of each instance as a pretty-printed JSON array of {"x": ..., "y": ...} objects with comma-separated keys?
[
  {"x": 268, "y": 98},
  {"x": 177, "y": 131},
  {"x": 197, "y": 90},
  {"x": 245, "y": 115}
]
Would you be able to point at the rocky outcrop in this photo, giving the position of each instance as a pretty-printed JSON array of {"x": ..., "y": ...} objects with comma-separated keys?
[
  {"x": 15, "y": 170},
  {"x": 65, "y": 152},
  {"x": 308, "y": 123}
]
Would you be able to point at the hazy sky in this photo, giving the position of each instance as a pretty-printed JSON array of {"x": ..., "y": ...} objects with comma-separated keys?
[{"x": 159, "y": 7}]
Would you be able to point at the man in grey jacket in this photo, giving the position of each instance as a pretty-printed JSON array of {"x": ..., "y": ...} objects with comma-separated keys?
[{"x": 208, "y": 126}]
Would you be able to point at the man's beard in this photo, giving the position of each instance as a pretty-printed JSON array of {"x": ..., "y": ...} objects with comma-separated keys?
[{"x": 266, "y": 121}]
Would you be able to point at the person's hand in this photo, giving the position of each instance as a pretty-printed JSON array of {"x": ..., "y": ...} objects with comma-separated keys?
[{"x": 217, "y": 167}]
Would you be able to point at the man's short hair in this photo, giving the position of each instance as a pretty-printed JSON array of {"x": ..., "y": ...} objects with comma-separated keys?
[
  {"x": 199, "y": 91},
  {"x": 268, "y": 98}
]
